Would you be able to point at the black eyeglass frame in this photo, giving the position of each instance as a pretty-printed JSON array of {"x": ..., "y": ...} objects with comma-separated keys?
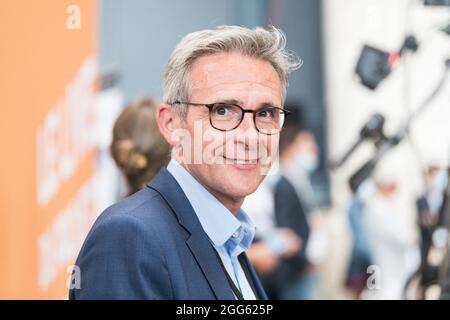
[{"x": 244, "y": 111}]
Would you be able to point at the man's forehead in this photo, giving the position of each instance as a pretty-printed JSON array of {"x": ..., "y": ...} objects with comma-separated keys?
[
  {"x": 226, "y": 75},
  {"x": 233, "y": 67}
]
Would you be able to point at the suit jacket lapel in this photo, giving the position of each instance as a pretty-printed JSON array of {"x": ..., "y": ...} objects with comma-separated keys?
[
  {"x": 258, "y": 286},
  {"x": 211, "y": 269},
  {"x": 198, "y": 242}
]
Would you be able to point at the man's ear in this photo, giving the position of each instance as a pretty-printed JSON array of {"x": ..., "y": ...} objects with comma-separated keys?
[{"x": 168, "y": 122}]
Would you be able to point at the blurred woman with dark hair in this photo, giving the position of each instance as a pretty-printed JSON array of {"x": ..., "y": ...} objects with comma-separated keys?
[{"x": 137, "y": 147}]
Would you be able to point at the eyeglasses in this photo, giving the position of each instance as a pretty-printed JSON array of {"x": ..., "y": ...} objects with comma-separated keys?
[{"x": 228, "y": 116}]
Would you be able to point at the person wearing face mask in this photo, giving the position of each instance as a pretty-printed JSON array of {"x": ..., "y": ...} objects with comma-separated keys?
[
  {"x": 393, "y": 249},
  {"x": 294, "y": 202},
  {"x": 299, "y": 163},
  {"x": 428, "y": 206},
  {"x": 271, "y": 244}
]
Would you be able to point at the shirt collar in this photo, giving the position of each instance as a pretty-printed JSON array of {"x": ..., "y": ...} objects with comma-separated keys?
[{"x": 222, "y": 227}]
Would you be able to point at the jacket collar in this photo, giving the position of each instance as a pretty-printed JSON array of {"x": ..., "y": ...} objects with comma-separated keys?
[
  {"x": 198, "y": 242},
  {"x": 166, "y": 185}
]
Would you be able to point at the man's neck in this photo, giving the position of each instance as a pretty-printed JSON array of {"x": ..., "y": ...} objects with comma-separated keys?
[{"x": 232, "y": 204}]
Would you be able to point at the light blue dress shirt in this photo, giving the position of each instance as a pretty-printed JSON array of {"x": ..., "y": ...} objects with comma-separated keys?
[{"x": 230, "y": 234}]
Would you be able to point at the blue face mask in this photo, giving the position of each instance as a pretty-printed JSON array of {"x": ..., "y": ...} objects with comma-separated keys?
[
  {"x": 272, "y": 179},
  {"x": 366, "y": 190},
  {"x": 307, "y": 161},
  {"x": 440, "y": 180},
  {"x": 436, "y": 193}
]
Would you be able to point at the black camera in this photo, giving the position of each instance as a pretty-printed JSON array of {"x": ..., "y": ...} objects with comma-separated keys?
[{"x": 374, "y": 64}]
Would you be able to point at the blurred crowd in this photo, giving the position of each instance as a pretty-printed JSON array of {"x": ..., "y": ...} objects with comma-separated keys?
[{"x": 293, "y": 242}]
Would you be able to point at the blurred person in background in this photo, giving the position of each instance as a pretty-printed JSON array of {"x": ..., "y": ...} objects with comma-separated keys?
[
  {"x": 271, "y": 244},
  {"x": 391, "y": 242},
  {"x": 294, "y": 203},
  {"x": 360, "y": 260},
  {"x": 429, "y": 203},
  {"x": 137, "y": 147},
  {"x": 433, "y": 212},
  {"x": 444, "y": 211}
]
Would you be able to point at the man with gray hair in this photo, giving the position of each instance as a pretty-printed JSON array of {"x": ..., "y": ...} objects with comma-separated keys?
[{"x": 184, "y": 236}]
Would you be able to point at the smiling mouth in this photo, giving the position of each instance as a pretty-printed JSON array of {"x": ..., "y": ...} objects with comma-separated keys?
[{"x": 241, "y": 161}]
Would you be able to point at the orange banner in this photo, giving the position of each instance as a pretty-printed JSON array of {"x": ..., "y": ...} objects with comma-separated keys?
[{"x": 48, "y": 69}]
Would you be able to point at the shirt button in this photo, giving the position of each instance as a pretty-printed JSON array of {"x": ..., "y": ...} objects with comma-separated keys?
[{"x": 236, "y": 234}]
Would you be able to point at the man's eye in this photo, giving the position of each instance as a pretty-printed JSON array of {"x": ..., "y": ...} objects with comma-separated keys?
[
  {"x": 266, "y": 113},
  {"x": 222, "y": 110}
]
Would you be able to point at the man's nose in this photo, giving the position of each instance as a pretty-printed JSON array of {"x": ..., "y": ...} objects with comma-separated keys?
[
  {"x": 247, "y": 132},
  {"x": 247, "y": 123}
]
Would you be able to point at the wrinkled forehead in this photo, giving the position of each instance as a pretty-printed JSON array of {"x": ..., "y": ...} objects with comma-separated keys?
[{"x": 235, "y": 76}]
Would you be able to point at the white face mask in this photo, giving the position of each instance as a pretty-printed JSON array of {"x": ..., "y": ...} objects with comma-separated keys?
[{"x": 307, "y": 161}]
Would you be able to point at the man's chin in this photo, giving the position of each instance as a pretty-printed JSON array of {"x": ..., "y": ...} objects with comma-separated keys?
[{"x": 242, "y": 188}]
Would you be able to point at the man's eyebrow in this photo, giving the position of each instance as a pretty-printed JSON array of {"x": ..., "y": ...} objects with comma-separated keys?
[
  {"x": 268, "y": 105},
  {"x": 230, "y": 101},
  {"x": 239, "y": 103}
]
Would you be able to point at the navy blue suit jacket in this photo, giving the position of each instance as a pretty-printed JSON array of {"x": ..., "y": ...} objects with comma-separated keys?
[{"x": 151, "y": 245}]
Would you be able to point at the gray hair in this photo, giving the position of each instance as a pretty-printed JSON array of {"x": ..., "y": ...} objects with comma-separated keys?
[{"x": 268, "y": 45}]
